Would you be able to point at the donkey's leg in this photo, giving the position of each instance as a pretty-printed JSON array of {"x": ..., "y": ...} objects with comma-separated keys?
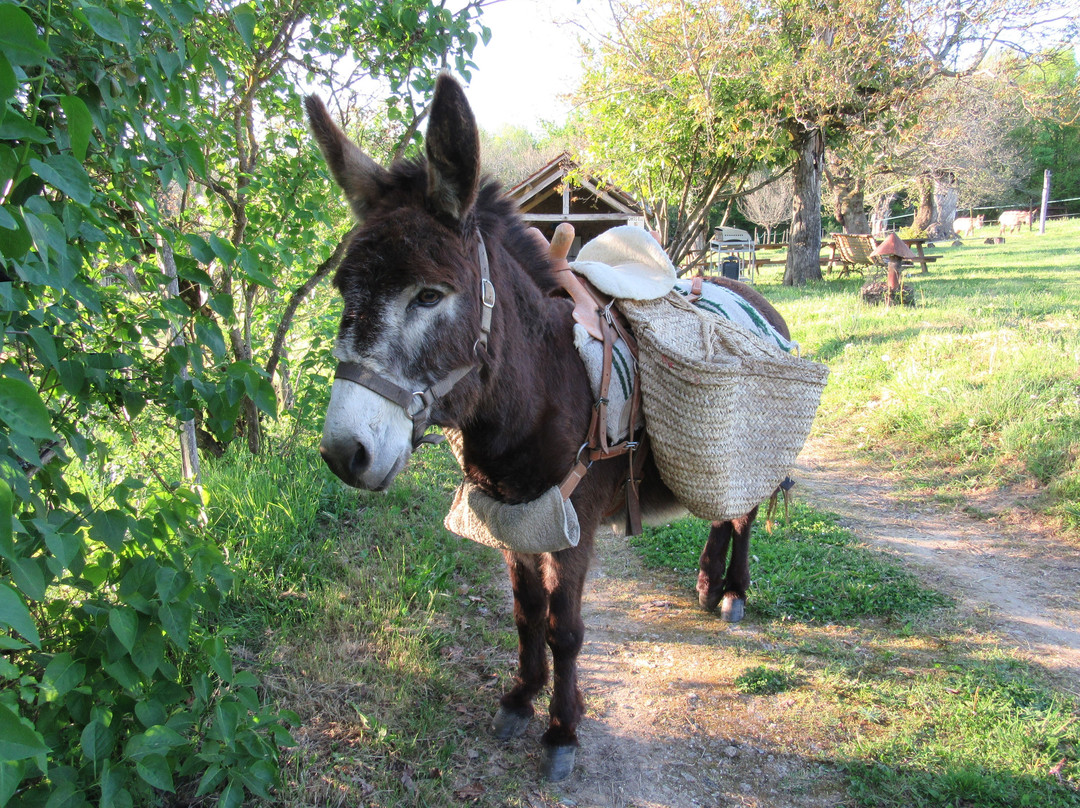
[
  {"x": 710, "y": 582},
  {"x": 737, "y": 580},
  {"x": 565, "y": 575},
  {"x": 530, "y": 616}
]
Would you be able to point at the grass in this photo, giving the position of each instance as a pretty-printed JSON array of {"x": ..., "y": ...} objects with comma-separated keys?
[
  {"x": 370, "y": 621},
  {"x": 808, "y": 569},
  {"x": 976, "y": 387},
  {"x": 915, "y": 709}
]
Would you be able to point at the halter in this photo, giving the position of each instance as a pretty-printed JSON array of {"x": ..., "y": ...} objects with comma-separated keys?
[{"x": 418, "y": 404}]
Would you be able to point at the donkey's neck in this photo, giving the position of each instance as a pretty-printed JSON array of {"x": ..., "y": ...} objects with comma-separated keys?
[{"x": 534, "y": 413}]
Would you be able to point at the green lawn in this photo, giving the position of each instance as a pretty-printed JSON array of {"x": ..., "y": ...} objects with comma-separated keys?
[{"x": 977, "y": 385}]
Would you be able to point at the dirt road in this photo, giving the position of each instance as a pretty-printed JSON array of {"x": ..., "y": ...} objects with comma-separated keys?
[{"x": 665, "y": 725}]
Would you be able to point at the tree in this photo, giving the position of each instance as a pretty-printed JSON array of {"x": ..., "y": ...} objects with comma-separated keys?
[
  {"x": 770, "y": 204},
  {"x": 1050, "y": 89},
  {"x": 726, "y": 82},
  {"x": 154, "y": 193},
  {"x": 664, "y": 119}
]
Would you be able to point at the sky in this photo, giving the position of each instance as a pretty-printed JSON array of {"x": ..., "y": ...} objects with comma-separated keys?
[{"x": 530, "y": 61}]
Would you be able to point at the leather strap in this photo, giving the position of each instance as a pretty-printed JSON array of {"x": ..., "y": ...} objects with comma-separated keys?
[
  {"x": 596, "y": 446},
  {"x": 425, "y": 400},
  {"x": 696, "y": 285}
]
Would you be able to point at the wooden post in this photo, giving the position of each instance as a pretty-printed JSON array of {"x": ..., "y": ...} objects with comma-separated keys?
[{"x": 1045, "y": 202}]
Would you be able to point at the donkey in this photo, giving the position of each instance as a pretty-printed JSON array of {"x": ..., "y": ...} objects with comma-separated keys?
[{"x": 445, "y": 292}]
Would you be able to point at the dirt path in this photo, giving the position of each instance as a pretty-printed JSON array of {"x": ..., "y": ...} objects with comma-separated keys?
[{"x": 665, "y": 725}]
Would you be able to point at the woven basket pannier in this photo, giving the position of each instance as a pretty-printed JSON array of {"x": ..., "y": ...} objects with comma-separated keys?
[{"x": 726, "y": 411}]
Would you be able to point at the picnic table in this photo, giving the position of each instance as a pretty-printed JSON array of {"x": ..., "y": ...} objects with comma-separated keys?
[{"x": 853, "y": 251}]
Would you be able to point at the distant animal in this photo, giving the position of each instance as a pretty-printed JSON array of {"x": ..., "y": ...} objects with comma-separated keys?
[
  {"x": 966, "y": 225},
  {"x": 446, "y": 293},
  {"x": 1013, "y": 220}
]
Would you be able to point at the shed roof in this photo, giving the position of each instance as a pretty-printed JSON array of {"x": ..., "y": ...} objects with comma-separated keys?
[{"x": 560, "y": 192}]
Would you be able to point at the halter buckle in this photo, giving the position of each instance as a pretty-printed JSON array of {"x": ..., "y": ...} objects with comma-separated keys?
[{"x": 487, "y": 293}]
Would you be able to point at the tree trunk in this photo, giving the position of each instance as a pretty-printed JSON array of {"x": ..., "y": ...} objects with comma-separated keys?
[
  {"x": 850, "y": 202},
  {"x": 879, "y": 219},
  {"x": 946, "y": 199},
  {"x": 925, "y": 215},
  {"x": 189, "y": 452},
  {"x": 804, "y": 249}
]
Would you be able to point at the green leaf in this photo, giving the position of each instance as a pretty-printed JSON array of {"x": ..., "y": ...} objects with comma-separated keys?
[
  {"x": 149, "y": 652},
  {"x": 260, "y": 777},
  {"x": 80, "y": 125},
  {"x": 66, "y": 174},
  {"x": 223, "y": 249},
  {"x": 11, "y": 774},
  {"x": 113, "y": 780},
  {"x": 18, "y": 741},
  {"x": 176, "y": 620},
  {"x": 157, "y": 740},
  {"x": 21, "y": 408},
  {"x": 19, "y": 39},
  {"x": 105, "y": 24},
  {"x": 208, "y": 333},
  {"x": 232, "y": 796},
  {"x": 7, "y": 512},
  {"x": 28, "y": 575},
  {"x": 109, "y": 527},
  {"x": 8, "y": 84},
  {"x": 227, "y": 719},
  {"x": 62, "y": 675},
  {"x": 265, "y": 397},
  {"x": 155, "y": 770},
  {"x": 14, "y": 613},
  {"x": 97, "y": 740},
  {"x": 199, "y": 248},
  {"x": 220, "y": 661},
  {"x": 244, "y": 17},
  {"x": 125, "y": 625}
]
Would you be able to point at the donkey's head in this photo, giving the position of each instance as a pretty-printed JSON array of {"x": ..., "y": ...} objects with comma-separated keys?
[{"x": 411, "y": 286}]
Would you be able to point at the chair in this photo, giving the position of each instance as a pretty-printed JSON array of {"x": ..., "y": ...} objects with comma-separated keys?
[
  {"x": 855, "y": 252},
  {"x": 733, "y": 251}
]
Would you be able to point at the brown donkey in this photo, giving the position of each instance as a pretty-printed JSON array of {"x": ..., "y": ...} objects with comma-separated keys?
[{"x": 453, "y": 317}]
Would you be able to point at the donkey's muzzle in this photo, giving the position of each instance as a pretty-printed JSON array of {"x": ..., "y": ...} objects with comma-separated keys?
[{"x": 349, "y": 463}]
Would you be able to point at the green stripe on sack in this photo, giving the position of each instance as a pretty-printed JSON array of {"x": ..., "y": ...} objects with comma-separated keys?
[{"x": 622, "y": 371}]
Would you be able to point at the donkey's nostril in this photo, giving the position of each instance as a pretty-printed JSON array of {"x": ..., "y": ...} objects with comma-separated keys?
[
  {"x": 350, "y": 468},
  {"x": 360, "y": 461}
]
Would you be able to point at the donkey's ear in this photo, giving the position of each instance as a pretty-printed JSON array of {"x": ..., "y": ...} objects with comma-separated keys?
[
  {"x": 360, "y": 177},
  {"x": 453, "y": 150}
]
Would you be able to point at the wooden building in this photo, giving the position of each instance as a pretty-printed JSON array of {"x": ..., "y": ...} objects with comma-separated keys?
[{"x": 561, "y": 192}]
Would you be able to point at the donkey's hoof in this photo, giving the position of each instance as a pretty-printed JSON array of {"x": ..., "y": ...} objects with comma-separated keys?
[
  {"x": 733, "y": 608},
  {"x": 509, "y": 725},
  {"x": 708, "y": 600},
  {"x": 559, "y": 763}
]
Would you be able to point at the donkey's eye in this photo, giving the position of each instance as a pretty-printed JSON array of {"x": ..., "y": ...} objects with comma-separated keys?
[{"x": 428, "y": 298}]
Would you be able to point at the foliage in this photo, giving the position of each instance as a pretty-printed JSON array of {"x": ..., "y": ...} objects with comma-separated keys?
[
  {"x": 686, "y": 98},
  {"x": 808, "y": 569},
  {"x": 138, "y": 264},
  {"x": 763, "y": 680},
  {"x": 1051, "y": 88}
]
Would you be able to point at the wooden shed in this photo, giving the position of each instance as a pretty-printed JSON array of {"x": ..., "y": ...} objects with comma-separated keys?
[{"x": 560, "y": 192}]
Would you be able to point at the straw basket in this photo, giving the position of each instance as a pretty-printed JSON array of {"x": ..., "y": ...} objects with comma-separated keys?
[{"x": 726, "y": 411}]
